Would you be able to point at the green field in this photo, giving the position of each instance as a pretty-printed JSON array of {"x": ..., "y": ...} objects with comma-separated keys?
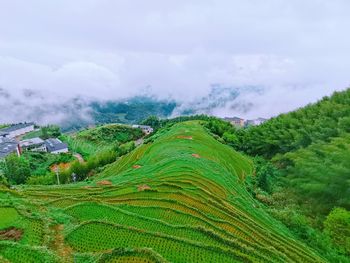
[{"x": 180, "y": 198}]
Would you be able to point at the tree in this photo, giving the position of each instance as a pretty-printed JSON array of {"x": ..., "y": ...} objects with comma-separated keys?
[
  {"x": 152, "y": 121},
  {"x": 50, "y": 131},
  {"x": 337, "y": 226},
  {"x": 16, "y": 169}
]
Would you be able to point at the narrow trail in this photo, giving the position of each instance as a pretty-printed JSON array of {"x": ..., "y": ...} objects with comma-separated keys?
[
  {"x": 139, "y": 142},
  {"x": 79, "y": 157},
  {"x": 58, "y": 245}
]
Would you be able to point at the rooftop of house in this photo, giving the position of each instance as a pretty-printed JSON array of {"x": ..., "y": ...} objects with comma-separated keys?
[
  {"x": 55, "y": 144},
  {"x": 142, "y": 126},
  {"x": 3, "y": 134},
  {"x": 7, "y": 146},
  {"x": 16, "y": 127},
  {"x": 33, "y": 141}
]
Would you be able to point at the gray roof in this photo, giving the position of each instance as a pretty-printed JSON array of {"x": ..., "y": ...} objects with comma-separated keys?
[
  {"x": 233, "y": 119},
  {"x": 54, "y": 144},
  {"x": 30, "y": 142},
  {"x": 3, "y": 134},
  {"x": 16, "y": 127},
  {"x": 145, "y": 127},
  {"x": 7, "y": 146},
  {"x": 141, "y": 126}
]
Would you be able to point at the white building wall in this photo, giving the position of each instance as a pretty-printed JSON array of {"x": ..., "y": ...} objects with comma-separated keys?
[{"x": 60, "y": 151}]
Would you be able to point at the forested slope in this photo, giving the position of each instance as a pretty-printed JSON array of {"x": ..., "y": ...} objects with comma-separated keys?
[
  {"x": 312, "y": 147},
  {"x": 319, "y": 122},
  {"x": 302, "y": 161}
]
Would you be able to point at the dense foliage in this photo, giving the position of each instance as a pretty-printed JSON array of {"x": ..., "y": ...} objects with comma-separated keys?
[
  {"x": 16, "y": 169},
  {"x": 310, "y": 151},
  {"x": 40, "y": 162},
  {"x": 337, "y": 225},
  {"x": 45, "y": 132},
  {"x": 101, "y": 138},
  {"x": 131, "y": 111},
  {"x": 109, "y": 134},
  {"x": 319, "y": 122}
]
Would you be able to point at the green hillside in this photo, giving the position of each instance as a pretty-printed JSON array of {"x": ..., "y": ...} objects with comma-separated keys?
[
  {"x": 101, "y": 138},
  {"x": 181, "y": 198}
]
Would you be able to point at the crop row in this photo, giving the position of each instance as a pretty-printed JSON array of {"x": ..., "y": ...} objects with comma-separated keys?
[
  {"x": 85, "y": 212},
  {"x": 120, "y": 255},
  {"x": 15, "y": 252},
  {"x": 98, "y": 236}
]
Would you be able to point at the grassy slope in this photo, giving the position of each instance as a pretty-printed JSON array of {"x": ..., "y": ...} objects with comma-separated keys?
[
  {"x": 195, "y": 209},
  {"x": 90, "y": 141}
]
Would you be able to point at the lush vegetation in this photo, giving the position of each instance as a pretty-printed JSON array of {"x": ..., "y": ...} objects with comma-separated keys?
[
  {"x": 99, "y": 146},
  {"x": 182, "y": 196},
  {"x": 45, "y": 132},
  {"x": 186, "y": 196},
  {"x": 133, "y": 110},
  {"x": 302, "y": 167},
  {"x": 15, "y": 169},
  {"x": 31, "y": 167},
  {"x": 101, "y": 138}
]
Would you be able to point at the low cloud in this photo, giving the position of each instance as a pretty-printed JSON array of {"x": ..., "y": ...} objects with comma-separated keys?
[{"x": 56, "y": 58}]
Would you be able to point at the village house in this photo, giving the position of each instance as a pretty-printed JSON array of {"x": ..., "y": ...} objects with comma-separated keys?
[
  {"x": 255, "y": 122},
  {"x": 56, "y": 146},
  {"x": 18, "y": 129},
  {"x": 34, "y": 145},
  {"x": 8, "y": 146},
  {"x": 235, "y": 121},
  {"x": 145, "y": 128}
]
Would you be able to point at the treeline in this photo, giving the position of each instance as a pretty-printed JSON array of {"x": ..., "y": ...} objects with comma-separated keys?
[
  {"x": 319, "y": 122},
  {"x": 110, "y": 133},
  {"x": 157, "y": 123}
]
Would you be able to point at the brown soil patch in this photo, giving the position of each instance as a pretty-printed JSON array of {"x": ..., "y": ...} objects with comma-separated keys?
[
  {"x": 136, "y": 166},
  {"x": 88, "y": 187},
  {"x": 196, "y": 155},
  {"x": 104, "y": 182},
  {"x": 60, "y": 166},
  {"x": 184, "y": 137},
  {"x": 143, "y": 187},
  {"x": 12, "y": 233}
]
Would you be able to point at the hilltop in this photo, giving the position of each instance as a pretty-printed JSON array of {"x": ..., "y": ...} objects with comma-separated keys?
[{"x": 180, "y": 198}]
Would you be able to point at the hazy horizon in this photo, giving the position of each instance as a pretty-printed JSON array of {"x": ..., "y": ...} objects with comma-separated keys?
[{"x": 51, "y": 52}]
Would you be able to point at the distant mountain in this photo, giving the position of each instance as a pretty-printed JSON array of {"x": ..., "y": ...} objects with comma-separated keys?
[
  {"x": 220, "y": 97},
  {"x": 78, "y": 112}
]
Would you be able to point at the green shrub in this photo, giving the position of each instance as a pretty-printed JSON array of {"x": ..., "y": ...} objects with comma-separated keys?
[{"x": 337, "y": 225}]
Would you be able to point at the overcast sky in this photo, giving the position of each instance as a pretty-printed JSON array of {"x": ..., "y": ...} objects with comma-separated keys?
[{"x": 296, "y": 51}]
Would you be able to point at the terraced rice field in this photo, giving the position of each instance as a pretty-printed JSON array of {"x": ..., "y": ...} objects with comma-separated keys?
[{"x": 179, "y": 199}]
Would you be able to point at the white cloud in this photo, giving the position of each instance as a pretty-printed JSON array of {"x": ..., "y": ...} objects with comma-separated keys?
[{"x": 296, "y": 51}]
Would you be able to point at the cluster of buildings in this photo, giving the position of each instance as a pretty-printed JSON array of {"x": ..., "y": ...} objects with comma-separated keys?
[
  {"x": 238, "y": 122},
  {"x": 9, "y": 142}
]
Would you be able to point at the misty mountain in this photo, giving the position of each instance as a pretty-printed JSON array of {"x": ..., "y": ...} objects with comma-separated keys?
[
  {"x": 76, "y": 113},
  {"x": 135, "y": 109},
  {"x": 220, "y": 98}
]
